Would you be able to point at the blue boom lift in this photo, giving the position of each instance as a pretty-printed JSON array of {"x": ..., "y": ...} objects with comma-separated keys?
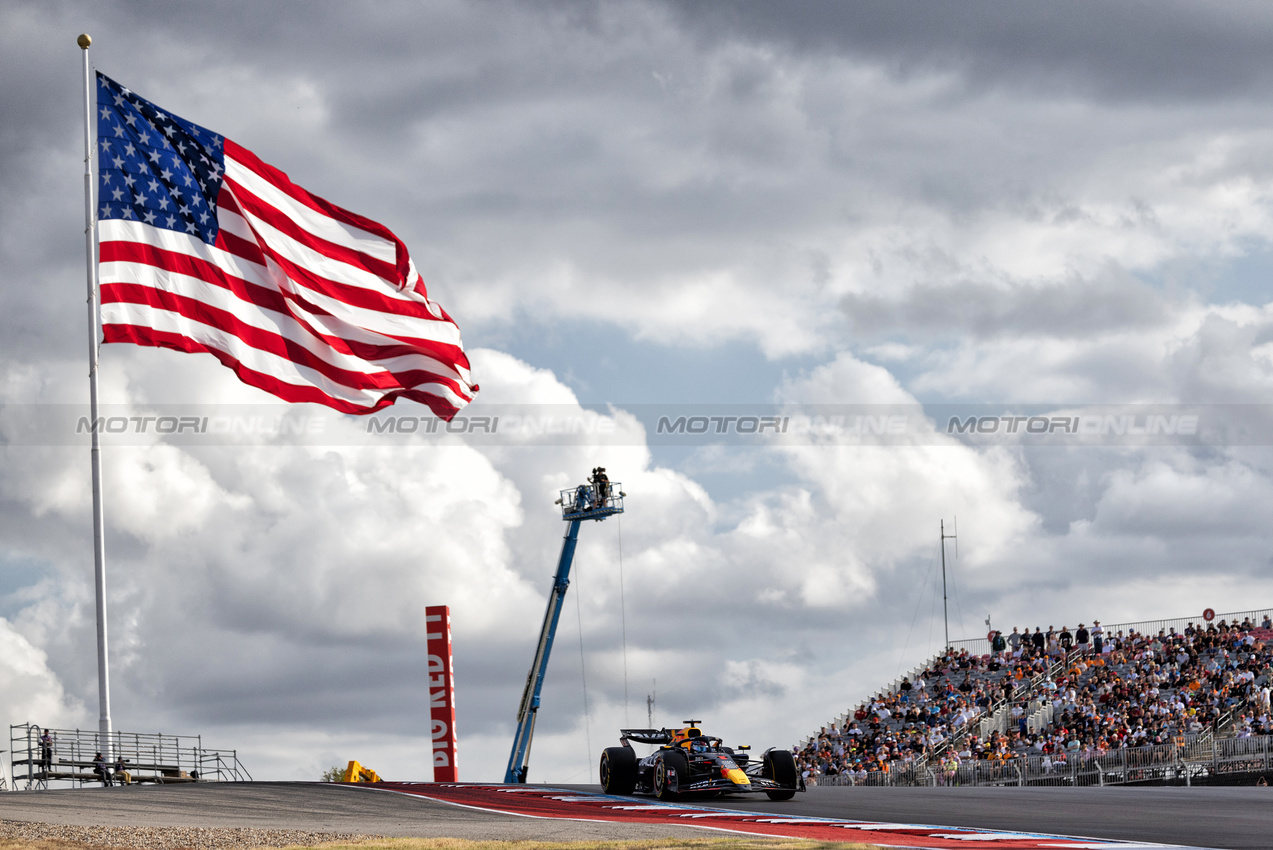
[{"x": 597, "y": 499}]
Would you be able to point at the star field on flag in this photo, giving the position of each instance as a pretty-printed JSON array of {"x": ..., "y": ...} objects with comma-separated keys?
[{"x": 155, "y": 167}]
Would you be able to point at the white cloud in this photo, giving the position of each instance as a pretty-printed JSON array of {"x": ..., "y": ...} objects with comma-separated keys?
[{"x": 29, "y": 690}]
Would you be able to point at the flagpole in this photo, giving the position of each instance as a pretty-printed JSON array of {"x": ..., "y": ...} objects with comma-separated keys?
[{"x": 99, "y": 543}]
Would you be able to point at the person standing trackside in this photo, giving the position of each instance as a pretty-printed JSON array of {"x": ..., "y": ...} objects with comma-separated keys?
[{"x": 46, "y": 751}]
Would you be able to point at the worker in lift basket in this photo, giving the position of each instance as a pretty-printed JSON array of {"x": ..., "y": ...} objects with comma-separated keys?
[{"x": 601, "y": 481}]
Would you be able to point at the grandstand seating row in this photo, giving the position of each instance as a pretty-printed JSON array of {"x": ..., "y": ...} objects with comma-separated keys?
[{"x": 1141, "y": 690}]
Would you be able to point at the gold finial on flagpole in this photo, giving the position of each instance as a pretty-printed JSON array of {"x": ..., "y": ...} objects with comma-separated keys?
[{"x": 84, "y": 40}]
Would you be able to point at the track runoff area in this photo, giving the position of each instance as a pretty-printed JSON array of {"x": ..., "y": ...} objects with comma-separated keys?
[{"x": 566, "y": 804}]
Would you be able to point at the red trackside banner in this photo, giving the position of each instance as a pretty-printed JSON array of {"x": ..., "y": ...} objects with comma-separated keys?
[{"x": 441, "y": 693}]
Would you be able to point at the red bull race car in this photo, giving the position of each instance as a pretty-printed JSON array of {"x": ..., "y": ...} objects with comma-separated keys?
[{"x": 688, "y": 762}]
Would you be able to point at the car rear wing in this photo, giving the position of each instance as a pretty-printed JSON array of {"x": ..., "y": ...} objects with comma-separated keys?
[{"x": 646, "y": 736}]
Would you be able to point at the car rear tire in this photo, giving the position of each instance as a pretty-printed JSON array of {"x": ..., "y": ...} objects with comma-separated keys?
[
  {"x": 671, "y": 764},
  {"x": 618, "y": 770},
  {"x": 780, "y": 766}
]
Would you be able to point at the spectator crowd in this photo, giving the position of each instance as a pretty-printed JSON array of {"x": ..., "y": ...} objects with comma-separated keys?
[{"x": 1105, "y": 692}]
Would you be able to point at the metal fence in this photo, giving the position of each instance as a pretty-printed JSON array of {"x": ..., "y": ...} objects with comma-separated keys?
[
  {"x": 150, "y": 757},
  {"x": 981, "y": 646},
  {"x": 1192, "y": 759}
]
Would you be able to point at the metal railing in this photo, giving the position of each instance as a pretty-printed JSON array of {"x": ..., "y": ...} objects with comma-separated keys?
[
  {"x": 1188, "y": 760},
  {"x": 981, "y": 645},
  {"x": 150, "y": 757},
  {"x": 998, "y": 712},
  {"x": 596, "y": 500}
]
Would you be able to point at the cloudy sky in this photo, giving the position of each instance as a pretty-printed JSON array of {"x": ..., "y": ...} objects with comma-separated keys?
[{"x": 638, "y": 210}]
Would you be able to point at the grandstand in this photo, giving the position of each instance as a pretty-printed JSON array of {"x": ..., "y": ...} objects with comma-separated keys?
[{"x": 1156, "y": 701}]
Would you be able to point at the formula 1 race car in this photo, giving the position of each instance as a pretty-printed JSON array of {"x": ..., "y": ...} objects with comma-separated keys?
[{"x": 689, "y": 762}]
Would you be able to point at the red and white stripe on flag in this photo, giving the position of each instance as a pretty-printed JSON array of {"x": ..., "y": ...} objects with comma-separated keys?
[{"x": 301, "y": 298}]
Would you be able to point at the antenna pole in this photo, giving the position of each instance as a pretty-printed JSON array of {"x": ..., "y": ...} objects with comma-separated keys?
[{"x": 945, "y": 610}]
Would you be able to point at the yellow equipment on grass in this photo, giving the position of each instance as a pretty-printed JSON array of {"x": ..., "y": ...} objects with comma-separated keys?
[{"x": 357, "y": 773}]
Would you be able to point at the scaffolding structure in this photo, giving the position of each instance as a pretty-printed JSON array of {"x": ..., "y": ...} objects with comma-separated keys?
[{"x": 149, "y": 757}]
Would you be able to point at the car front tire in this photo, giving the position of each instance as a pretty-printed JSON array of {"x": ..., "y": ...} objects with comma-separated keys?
[
  {"x": 671, "y": 771},
  {"x": 780, "y": 766},
  {"x": 618, "y": 770}
]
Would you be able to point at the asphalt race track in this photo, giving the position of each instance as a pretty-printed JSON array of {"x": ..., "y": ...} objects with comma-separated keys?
[
  {"x": 298, "y": 805},
  {"x": 1197, "y": 817},
  {"x": 1200, "y": 817}
]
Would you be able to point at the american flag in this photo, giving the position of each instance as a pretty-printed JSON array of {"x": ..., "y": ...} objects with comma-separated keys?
[{"x": 205, "y": 248}]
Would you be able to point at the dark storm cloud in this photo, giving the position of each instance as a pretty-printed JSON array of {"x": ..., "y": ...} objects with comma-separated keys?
[
  {"x": 382, "y": 68},
  {"x": 501, "y": 137},
  {"x": 1147, "y": 49},
  {"x": 1139, "y": 48}
]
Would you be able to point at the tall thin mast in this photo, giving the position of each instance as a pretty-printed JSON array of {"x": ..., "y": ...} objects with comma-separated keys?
[
  {"x": 99, "y": 544},
  {"x": 945, "y": 610}
]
